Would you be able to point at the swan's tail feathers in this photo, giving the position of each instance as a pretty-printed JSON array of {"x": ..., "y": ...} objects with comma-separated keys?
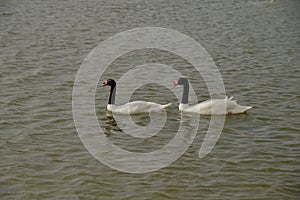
[
  {"x": 166, "y": 105},
  {"x": 239, "y": 109},
  {"x": 229, "y": 98},
  {"x": 246, "y": 108}
]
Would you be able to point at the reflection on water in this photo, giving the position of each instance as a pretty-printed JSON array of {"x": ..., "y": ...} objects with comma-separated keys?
[
  {"x": 110, "y": 125},
  {"x": 134, "y": 152}
]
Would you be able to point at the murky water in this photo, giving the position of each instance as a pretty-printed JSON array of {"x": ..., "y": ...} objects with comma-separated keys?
[{"x": 255, "y": 45}]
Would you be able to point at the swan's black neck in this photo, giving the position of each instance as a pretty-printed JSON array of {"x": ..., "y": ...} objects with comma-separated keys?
[
  {"x": 112, "y": 94},
  {"x": 185, "y": 95}
]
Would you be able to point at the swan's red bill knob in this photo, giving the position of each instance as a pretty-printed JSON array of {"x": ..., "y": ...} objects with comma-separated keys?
[
  {"x": 104, "y": 83},
  {"x": 175, "y": 82}
]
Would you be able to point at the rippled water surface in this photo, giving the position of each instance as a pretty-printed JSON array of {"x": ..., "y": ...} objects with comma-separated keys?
[{"x": 255, "y": 45}]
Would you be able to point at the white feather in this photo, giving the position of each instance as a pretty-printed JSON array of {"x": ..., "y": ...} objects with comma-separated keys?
[
  {"x": 215, "y": 107},
  {"x": 137, "y": 107}
]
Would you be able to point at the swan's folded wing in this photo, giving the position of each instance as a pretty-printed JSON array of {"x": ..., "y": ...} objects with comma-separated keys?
[
  {"x": 231, "y": 104},
  {"x": 136, "y": 107},
  {"x": 203, "y": 108}
]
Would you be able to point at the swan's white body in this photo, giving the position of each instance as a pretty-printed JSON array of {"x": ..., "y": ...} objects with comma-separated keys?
[
  {"x": 137, "y": 107},
  {"x": 215, "y": 107},
  {"x": 210, "y": 107},
  {"x": 130, "y": 108}
]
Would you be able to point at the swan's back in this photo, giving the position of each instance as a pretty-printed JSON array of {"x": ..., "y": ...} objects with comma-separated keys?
[
  {"x": 216, "y": 107},
  {"x": 136, "y": 107}
]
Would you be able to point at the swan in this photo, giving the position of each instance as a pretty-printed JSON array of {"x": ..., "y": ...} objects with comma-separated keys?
[
  {"x": 208, "y": 107},
  {"x": 134, "y": 107}
]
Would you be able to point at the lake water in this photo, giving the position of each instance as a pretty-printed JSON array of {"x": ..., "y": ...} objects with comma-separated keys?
[{"x": 256, "y": 47}]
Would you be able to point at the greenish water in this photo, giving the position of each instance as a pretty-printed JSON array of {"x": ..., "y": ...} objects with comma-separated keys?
[{"x": 255, "y": 46}]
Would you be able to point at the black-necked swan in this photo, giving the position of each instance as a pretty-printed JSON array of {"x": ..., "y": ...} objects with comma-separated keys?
[
  {"x": 134, "y": 107},
  {"x": 208, "y": 107}
]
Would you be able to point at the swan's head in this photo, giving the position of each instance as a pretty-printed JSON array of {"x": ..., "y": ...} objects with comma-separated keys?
[
  {"x": 181, "y": 81},
  {"x": 109, "y": 82}
]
